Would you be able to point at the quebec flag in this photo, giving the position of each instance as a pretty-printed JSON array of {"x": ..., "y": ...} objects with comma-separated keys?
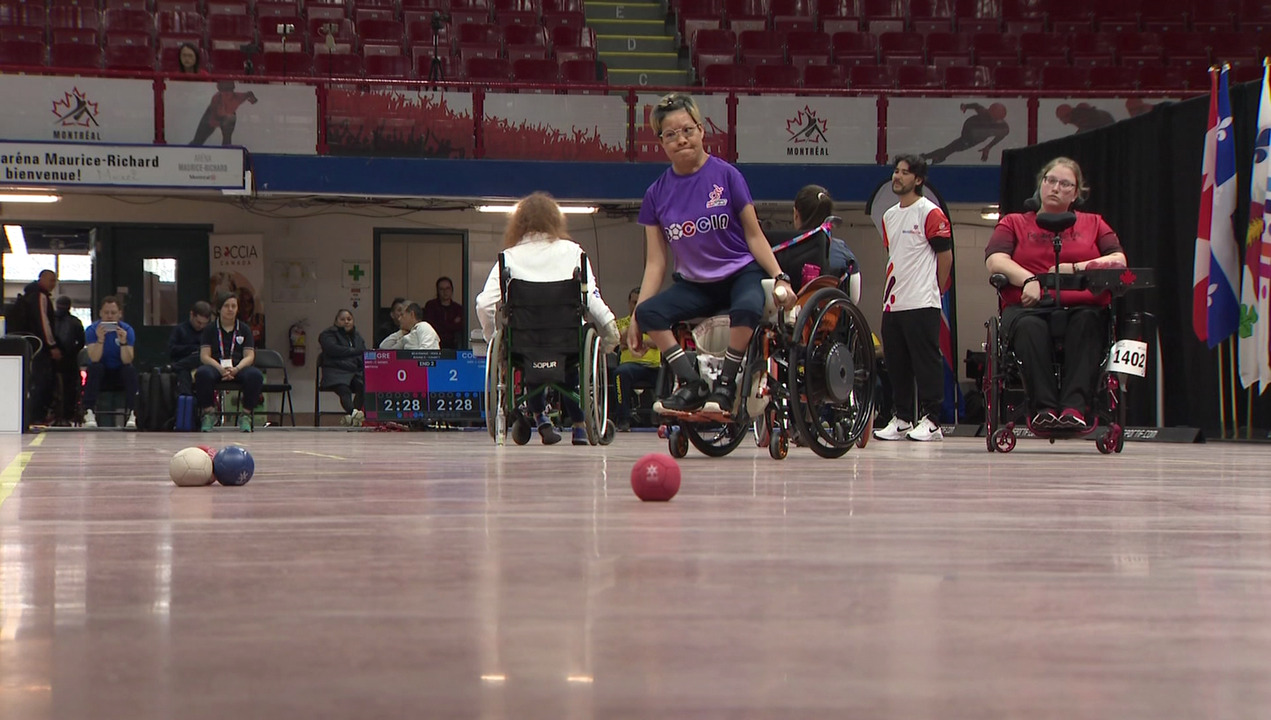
[{"x": 1215, "y": 273}]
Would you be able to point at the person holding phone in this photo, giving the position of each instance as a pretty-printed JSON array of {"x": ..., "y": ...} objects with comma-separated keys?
[
  {"x": 110, "y": 354},
  {"x": 227, "y": 354}
]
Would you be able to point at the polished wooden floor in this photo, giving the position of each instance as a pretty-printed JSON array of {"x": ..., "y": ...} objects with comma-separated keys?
[{"x": 432, "y": 575}]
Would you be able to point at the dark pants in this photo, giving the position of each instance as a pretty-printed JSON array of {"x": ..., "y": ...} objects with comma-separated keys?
[
  {"x": 1032, "y": 332},
  {"x": 622, "y": 390},
  {"x": 538, "y": 403},
  {"x": 123, "y": 378},
  {"x": 184, "y": 368},
  {"x": 911, "y": 347},
  {"x": 741, "y": 294},
  {"x": 351, "y": 395},
  {"x": 69, "y": 380},
  {"x": 40, "y": 388},
  {"x": 206, "y": 377}
]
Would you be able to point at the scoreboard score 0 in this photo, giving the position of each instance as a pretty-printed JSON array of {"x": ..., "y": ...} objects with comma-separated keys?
[{"x": 424, "y": 385}]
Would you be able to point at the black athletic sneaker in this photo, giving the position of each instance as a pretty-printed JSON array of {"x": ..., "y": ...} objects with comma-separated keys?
[
  {"x": 689, "y": 397},
  {"x": 722, "y": 399}
]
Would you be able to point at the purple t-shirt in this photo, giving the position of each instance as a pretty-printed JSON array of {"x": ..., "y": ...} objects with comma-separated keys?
[{"x": 700, "y": 218}]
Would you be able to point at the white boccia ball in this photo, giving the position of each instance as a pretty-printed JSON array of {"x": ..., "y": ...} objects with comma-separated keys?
[{"x": 191, "y": 467}]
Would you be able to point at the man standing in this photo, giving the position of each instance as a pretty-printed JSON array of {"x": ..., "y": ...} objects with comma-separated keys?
[
  {"x": 110, "y": 355},
  {"x": 920, "y": 255},
  {"x": 70, "y": 340},
  {"x": 184, "y": 344},
  {"x": 33, "y": 315}
]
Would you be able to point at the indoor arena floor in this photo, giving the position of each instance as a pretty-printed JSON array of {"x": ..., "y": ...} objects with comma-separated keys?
[{"x": 433, "y": 575}]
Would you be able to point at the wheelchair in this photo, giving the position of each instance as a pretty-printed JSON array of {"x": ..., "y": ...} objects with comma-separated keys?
[
  {"x": 807, "y": 373},
  {"x": 540, "y": 344},
  {"x": 1006, "y": 403}
]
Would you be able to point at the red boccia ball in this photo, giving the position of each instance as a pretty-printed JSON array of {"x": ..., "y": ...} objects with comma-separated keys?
[{"x": 655, "y": 477}]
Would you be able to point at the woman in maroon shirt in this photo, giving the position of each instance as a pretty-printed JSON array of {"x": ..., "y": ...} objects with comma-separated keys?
[
  {"x": 444, "y": 314},
  {"x": 1022, "y": 251}
]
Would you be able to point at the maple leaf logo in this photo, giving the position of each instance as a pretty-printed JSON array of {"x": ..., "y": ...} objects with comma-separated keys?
[
  {"x": 75, "y": 109},
  {"x": 806, "y": 127},
  {"x": 1128, "y": 277}
]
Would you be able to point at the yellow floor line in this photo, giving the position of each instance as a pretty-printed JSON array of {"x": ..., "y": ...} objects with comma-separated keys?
[
  {"x": 333, "y": 457},
  {"x": 12, "y": 475},
  {"x": 37, "y": 440}
]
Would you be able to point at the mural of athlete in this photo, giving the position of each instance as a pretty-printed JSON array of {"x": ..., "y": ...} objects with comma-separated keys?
[
  {"x": 988, "y": 123},
  {"x": 221, "y": 113},
  {"x": 1085, "y": 116}
]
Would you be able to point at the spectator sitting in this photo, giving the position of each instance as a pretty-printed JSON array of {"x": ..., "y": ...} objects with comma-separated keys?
[
  {"x": 445, "y": 315},
  {"x": 110, "y": 356},
  {"x": 70, "y": 337},
  {"x": 394, "y": 322},
  {"x": 632, "y": 368},
  {"x": 184, "y": 344},
  {"x": 342, "y": 347},
  {"x": 227, "y": 353},
  {"x": 189, "y": 61},
  {"x": 414, "y": 333}
]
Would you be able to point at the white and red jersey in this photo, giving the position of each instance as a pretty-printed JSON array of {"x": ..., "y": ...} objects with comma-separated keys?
[{"x": 913, "y": 235}]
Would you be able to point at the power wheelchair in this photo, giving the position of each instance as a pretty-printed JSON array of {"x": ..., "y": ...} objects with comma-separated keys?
[
  {"x": 1007, "y": 406},
  {"x": 540, "y": 344},
  {"x": 807, "y": 372}
]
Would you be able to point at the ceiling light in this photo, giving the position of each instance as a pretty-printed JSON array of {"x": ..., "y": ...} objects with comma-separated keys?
[
  {"x": 565, "y": 209},
  {"x": 7, "y": 198},
  {"x": 17, "y": 239}
]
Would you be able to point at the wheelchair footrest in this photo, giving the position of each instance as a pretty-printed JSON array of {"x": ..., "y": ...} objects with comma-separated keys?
[{"x": 698, "y": 416}]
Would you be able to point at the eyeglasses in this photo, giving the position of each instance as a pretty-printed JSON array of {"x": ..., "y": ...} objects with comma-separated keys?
[
  {"x": 672, "y": 135},
  {"x": 1059, "y": 182}
]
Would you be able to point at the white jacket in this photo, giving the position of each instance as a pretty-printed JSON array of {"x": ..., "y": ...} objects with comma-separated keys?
[
  {"x": 420, "y": 337},
  {"x": 540, "y": 258}
]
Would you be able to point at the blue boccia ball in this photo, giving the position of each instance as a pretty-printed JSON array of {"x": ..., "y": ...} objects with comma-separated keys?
[{"x": 233, "y": 465}]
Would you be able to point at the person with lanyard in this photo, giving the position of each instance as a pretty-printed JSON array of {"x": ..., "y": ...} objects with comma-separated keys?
[
  {"x": 701, "y": 210},
  {"x": 812, "y": 206},
  {"x": 110, "y": 356},
  {"x": 342, "y": 350},
  {"x": 227, "y": 354},
  {"x": 445, "y": 315}
]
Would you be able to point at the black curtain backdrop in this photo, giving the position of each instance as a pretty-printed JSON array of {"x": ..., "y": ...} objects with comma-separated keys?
[{"x": 1145, "y": 175}]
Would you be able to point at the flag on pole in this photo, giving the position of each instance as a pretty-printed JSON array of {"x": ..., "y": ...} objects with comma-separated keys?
[
  {"x": 1255, "y": 282},
  {"x": 1215, "y": 313}
]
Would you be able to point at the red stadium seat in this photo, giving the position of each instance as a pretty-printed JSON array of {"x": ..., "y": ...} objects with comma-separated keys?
[
  {"x": 469, "y": 11},
  {"x": 287, "y": 64},
  {"x": 574, "y": 20},
  {"x": 362, "y": 14},
  {"x": 22, "y": 52},
  {"x": 534, "y": 70},
  {"x": 761, "y": 47},
  {"x": 62, "y": 36},
  {"x": 71, "y": 17},
  {"x": 967, "y": 77},
  {"x": 928, "y": 16},
  {"x": 872, "y": 77},
  {"x": 809, "y": 47},
  {"x": 824, "y": 77},
  {"x": 488, "y": 69},
  {"x": 995, "y": 49},
  {"x": 564, "y": 55},
  {"x": 790, "y": 15},
  {"x": 286, "y": 10},
  {"x": 783, "y": 77},
  {"x": 727, "y": 76},
  {"x": 899, "y": 44},
  {"x": 919, "y": 77},
  {"x": 229, "y": 61},
  {"x": 839, "y": 16},
  {"x": 128, "y": 39},
  {"x": 325, "y": 11},
  {"x": 883, "y": 16},
  {"x": 1113, "y": 78},
  {"x": 1015, "y": 78},
  {"x": 180, "y": 22},
  {"x": 176, "y": 6},
  {"x": 524, "y": 41},
  {"x": 63, "y": 55},
  {"x": 854, "y": 45},
  {"x": 978, "y": 26},
  {"x": 338, "y": 64},
  {"x": 943, "y": 46},
  {"x": 744, "y": 15},
  {"x": 714, "y": 42},
  {"x": 421, "y": 60},
  {"x": 130, "y": 57},
  {"x": 341, "y": 31},
  {"x": 14, "y": 13},
  {"x": 1065, "y": 78},
  {"x": 126, "y": 5},
  {"x": 386, "y": 66},
  {"x": 22, "y": 34},
  {"x": 582, "y": 71},
  {"x": 381, "y": 30}
]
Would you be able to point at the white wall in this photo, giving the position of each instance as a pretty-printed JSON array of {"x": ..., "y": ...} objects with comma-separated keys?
[{"x": 332, "y": 233}]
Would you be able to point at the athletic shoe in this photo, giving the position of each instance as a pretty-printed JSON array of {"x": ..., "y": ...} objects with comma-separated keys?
[
  {"x": 546, "y": 431},
  {"x": 895, "y": 430},
  {"x": 925, "y": 431},
  {"x": 722, "y": 400},
  {"x": 1071, "y": 418},
  {"x": 131, "y": 423},
  {"x": 580, "y": 436},
  {"x": 624, "y": 426},
  {"x": 357, "y": 418},
  {"x": 690, "y": 396},
  {"x": 90, "y": 420},
  {"x": 1045, "y": 420},
  {"x": 207, "y": 423},
  {"x": 245, "y": 423}
]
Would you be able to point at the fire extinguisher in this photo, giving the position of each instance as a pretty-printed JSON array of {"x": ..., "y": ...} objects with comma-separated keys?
[{"x": 296, "y": 338}]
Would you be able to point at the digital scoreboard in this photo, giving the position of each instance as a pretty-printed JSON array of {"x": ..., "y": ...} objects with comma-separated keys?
[{"x": 424, "y": 385}]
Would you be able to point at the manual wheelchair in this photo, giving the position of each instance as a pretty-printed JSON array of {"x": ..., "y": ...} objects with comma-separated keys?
[
  {"x": 540, "y": 345},
  {"x": 808, "y": 372},
  {"x": 1005, "y": 398}
]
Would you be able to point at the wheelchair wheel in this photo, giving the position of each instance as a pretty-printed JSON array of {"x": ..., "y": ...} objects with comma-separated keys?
[
  {"x": 611, "y": 431},
  {"x": 1111, "y": 441},
  {"x": 497, "y": 386},
  {"x": 1002, "y": 440},
  {"x": 992, "y": 391},
  {"x": 714, "y": 439},
  {"x": 830, "y": 374},
  {"x": 778, "y": 443},
  {"x": 593, "y": 387}
]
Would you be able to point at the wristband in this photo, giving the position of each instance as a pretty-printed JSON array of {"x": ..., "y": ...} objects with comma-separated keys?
[
  {"x": 1028, "y": 280},
  {"x": 782, "y": 277}
]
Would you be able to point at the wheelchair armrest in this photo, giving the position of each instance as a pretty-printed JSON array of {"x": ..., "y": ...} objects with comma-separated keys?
[
  {"x": 769, "y": 303},
  {"x": 999, "y": 281}
]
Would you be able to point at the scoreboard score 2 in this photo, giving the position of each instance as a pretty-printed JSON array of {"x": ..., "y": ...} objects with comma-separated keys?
[{"x": 424, "y": 385}]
